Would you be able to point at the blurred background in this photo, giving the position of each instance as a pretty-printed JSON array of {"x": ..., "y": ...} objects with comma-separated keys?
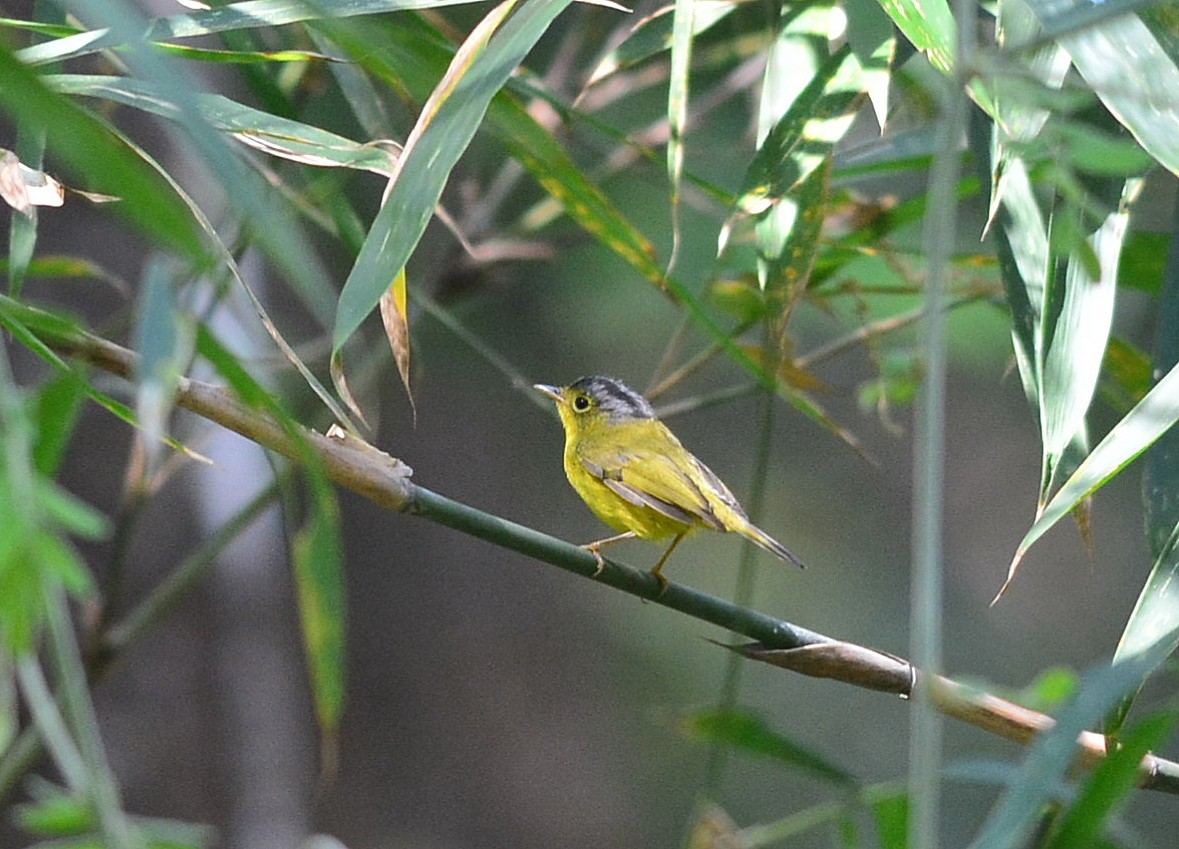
[{"x": 493, "y": 701}]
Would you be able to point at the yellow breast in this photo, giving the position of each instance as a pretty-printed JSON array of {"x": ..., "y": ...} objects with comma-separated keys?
[{"x": 607, "y": 505}]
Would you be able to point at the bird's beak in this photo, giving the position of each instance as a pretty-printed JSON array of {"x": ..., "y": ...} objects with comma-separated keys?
[{"x": 553, "y": 392}]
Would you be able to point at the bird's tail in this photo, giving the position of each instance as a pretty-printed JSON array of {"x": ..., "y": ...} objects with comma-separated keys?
[{"x": 756, "y": 535}]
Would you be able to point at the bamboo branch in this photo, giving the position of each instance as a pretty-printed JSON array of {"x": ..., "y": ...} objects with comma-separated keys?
[{"x": 358, "y": 466}]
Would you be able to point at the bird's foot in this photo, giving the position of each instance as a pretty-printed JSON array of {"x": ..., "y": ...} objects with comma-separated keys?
[{"x": 592, "y": 548}]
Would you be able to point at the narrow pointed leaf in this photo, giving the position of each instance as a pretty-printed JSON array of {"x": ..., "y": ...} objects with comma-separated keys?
[
  {"x": 273, "y": 134},
  {"x": 234, "y": 16},
  {"x": 1072, "y": 361},
  {"x": 163, "y": 346},
  {"x": 653, "y": 35},
  {"x": 1149, "y": 419},
  {"x": 750, "y": 733},
  {"x": 677, "y": 109},
  {"x": 395, "y": 318},
  {"x": 929, "y": 25},
  {"x": 447, "y": 124},
  {"x": 319, "y": 581},
  {"x": 1156, "y": 612},
  {"x": 873, "y": 40},
  {"x": 406, "y": 57},
  {"x": 1136, "y": 85}
]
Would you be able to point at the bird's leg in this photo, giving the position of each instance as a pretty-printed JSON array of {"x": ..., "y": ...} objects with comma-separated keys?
[
  {"x": 658, "y": 570},
  {"x": 594, "y": 548}
]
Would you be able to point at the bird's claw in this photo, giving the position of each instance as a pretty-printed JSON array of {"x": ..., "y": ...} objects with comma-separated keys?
[{"x": 592, "y": 549}]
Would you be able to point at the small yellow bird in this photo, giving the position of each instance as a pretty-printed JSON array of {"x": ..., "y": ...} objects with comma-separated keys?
[{"x": 637, "y": 477}]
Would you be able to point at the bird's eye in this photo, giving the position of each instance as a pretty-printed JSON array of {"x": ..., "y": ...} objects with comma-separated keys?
[{"x": 581, "y": 403}]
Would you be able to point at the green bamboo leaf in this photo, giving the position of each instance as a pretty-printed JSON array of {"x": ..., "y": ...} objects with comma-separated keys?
[
  {"x": 1136, "y": 432},
  {"x": 242, "y": 57},
  {"x": 319, "y": 581},
  {"x": 683, "y": 26},
  {"x": 890, "y": 812},
  {"x": 55, "y": 413},
  {"x": 234, "y": 16},
  {"x": 1081, "y": 825},
  {"x": 653, "y": 35},
  {"x": 748, "y": 732},
  {"x": 444, "y": 129},
  {"x": 1073, "y": 346},
  {"x": 803, "y": 119},
  {"x": 164, "y": 344},
  {"x": 1062, "y": 317},
  {"x": 410, "y": 58},
  {"x": 929, "y": 25},
  {"x": 1136, "y": 85},
  {"x": 316, "y": 548},
  {"x": 271, "y": 225},
  {"x": 1022, "y": 246},
  {"x": 1155, "y": 617},
  {"x": 1050, "y": 756},
  {"x": 99, "y": 159},
  {"x": 28, "y": 324},
  {"x": 273, "y": 134},
  {"x": 873, "y": 40},
  {"x": 1157, "y": 610}
]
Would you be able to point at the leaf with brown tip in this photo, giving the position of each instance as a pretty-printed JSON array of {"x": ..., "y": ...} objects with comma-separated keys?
[{"x": 395, "y": 317}]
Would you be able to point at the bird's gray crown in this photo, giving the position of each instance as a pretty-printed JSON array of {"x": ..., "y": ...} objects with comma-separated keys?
[{"x": 614, "y": 398}]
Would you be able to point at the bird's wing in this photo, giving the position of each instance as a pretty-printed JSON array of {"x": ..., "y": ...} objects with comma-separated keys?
[{"x": 652, "y": 479}]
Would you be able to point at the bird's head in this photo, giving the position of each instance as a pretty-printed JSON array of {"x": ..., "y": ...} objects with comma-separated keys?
[{"x": 592, "y": 402}]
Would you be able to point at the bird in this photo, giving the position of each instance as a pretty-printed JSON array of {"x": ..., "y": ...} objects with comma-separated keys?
[{"x": 637, "y": 477}]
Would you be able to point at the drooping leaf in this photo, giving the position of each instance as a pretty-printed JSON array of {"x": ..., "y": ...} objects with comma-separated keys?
[
  {"x": 749, "y": 733},
  {"x": 272, "y": 134},
  {"x": 104, "y": 164},
  {"x": 407, "y": 57},
  {"x": 395, "y": 318},
  {"x": 1074, "y": 344},
  {"x": 446, "y": 125},
  {"x": 317, "y": 553}
]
